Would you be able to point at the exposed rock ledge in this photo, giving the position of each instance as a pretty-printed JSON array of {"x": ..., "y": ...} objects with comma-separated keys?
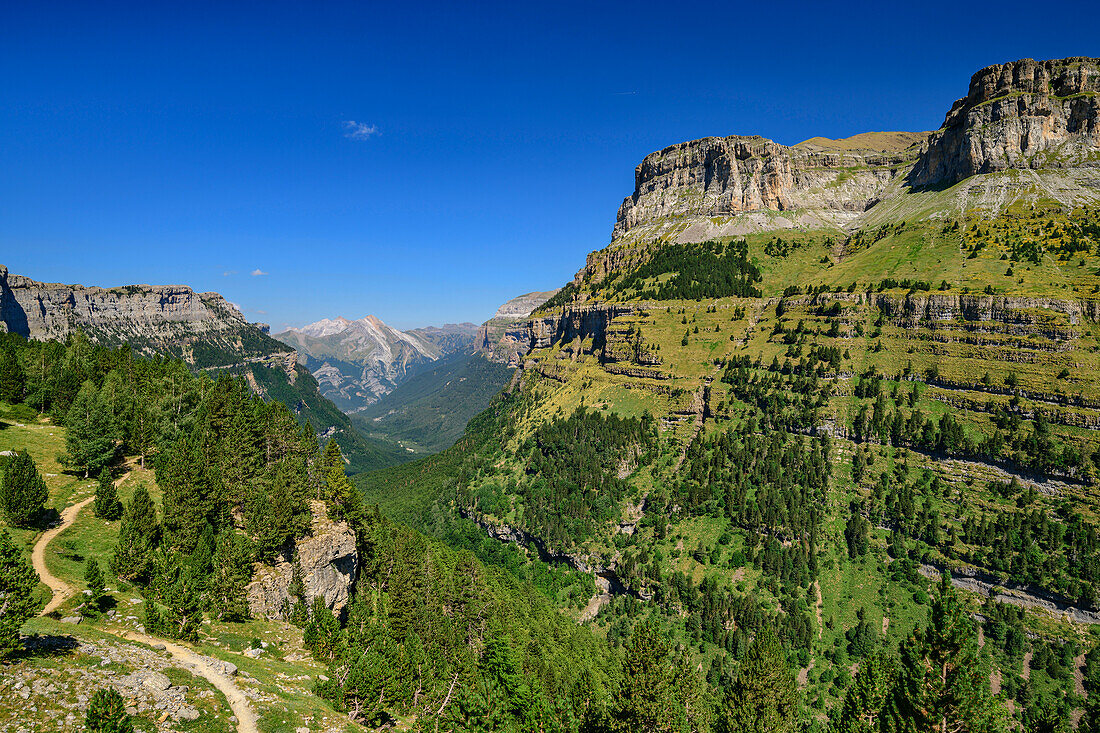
[
  {"x": 329, "y": 565},
  {"x": 581, "y": 563}
]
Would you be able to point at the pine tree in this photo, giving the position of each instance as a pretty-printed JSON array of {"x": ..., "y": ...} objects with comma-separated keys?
[
  {"x": 191, "y": 493},
  {"x": 23, "y": 493},
  {"x": 226, "y": 597},
  {"x": 646, "y": 696},
  {"x": 764, "y": 697},
  {"x": 941, "y": 685},
  {"x": 13, "y": 381},
  {"x": 107, "y": 713},
  {"x": 311, "y": 453},
  {"x": 138, "y": 536},
  {"x": 17, "y": 584},
  {"x": 89, "y": 435},
  {"x": 322, "y": 634},
  {"x": 343, "y": 498},
  {"x": 241, "y": 458},
  {"x": 866, "y": 697},
  {"x": 142, "y": 430},
  {"x": 93, "y": 581},
  {"x": 106, "y": 505},
  {"x": 180, "y": 589},
  {"x": 116, "y": 399}
]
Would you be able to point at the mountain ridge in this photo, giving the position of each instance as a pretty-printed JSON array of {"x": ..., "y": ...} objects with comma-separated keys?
[
  {"x": 797, "y": 386},
  {"x": 205, "y": 330},
  {"x": 1041, "y": 115},
  {"x": 358, "y": 362}
]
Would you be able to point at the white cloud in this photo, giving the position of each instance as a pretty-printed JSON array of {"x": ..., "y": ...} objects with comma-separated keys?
[
  {"x": 360, "y": 130},
  {"x": 257, "y": 272},
  {"x": 227, "y": 273}
]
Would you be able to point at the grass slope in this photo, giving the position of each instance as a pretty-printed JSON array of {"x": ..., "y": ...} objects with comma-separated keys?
[{"x": 428, "y": 412}]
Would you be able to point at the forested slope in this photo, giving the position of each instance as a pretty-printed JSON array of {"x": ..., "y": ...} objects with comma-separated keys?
[{"x": 800, "y": 427}]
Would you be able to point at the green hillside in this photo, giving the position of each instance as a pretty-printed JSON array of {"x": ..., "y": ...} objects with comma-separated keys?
[
  {"x": 811, "y": 426},
  {"x": 428, "y": 412}
]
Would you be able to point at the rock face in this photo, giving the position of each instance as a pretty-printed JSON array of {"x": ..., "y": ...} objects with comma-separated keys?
[
  {"x": 816, "y": 183},
  {"x": 1034, "y": 115},
  {"x": 357, "y": 362},
  {"x": 328, "y": 562},
  {"x": 503, "y": 338},
  {"x": 1024, "y": 114},
  {"x": 168, "y": 319}
]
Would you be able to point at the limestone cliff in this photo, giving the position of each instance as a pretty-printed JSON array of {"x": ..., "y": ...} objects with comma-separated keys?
[
  {"x": 503, "y": 338},
  {"x": 1042, "y": 116},
  {"x": 1024, "y": 114},
  {"x": 202, "y": 328},
  {"x": 807, "y": 185}
]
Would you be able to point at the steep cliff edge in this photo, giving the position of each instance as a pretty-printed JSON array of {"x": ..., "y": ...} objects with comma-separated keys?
[
  {"x": 204, "y": 329},
  {"x": 818, "y": 183},
  {"x": 1024, "y": 114},
  {"x": 1038, "y": 116},
  {"x": 503, "y": 337}
]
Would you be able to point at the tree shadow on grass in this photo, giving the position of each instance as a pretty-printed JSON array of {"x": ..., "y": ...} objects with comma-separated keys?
[
  {"x": 48, "y": 518},
  {"x": 47, "y": 645}
]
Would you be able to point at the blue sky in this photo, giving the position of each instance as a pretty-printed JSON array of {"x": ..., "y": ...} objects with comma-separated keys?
[{"x": 425, "y": 162}]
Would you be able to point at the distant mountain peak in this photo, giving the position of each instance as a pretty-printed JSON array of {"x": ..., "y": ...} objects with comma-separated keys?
[
  {"x": 324, "y": 327},
  {"x": 356, "y": 362}
]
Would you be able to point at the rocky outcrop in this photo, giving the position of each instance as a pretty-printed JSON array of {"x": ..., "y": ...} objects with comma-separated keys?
[
  {"x": 358, "y": 362},
  {"x": 581, "y": 562},
  {"x": 328, "y": 564},
  {"x": 806, "y": 185},
  {"x": 503, "y": 338},
  {"x": 914, "y": 308},
  {"x": 582, "y": 323},
  {"x": 202, "y": 328},
  {"x": 1023, "y": 114}
]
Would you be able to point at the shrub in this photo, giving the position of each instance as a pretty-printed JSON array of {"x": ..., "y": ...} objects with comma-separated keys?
[{"x": 107, "y": 713}]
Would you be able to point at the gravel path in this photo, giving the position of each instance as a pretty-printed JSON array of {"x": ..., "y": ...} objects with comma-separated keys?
[{"x": 187, "y": 659}]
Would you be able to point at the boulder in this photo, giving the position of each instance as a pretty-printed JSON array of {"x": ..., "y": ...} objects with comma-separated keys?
[{"x": 155, "y": 681}]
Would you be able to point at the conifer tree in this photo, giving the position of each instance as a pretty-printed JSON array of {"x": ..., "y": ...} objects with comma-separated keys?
[
  {"x": 89, "y": 436},
  {"x": 180, "y": 588},
  {"x": 343, "y": 498},
  {"x": 311, "y": 453},
  {"x": 646, "y": 697},
  {"x": 17, "y": 583},
  {"x": 107, "y": 713},
  {"x": 138, "y": 536},
  {"x": 226, "y": 597},
  {"x": 322, "y": 634},
  {"x": 12, "y": 379},
  {"x": 191, "y": 493},
  {"x": 23, "y": 493},
  {"x": 117, "y": 400},
  {"x": 152, "y": 622},
  {"x": 106, "y": 505},
  {"x": 764, "y": 697},
  {"x": 867, "y": 695},
  {"x": 142, "y": 430},
  {"x": 241, "y": 458},
  {"x": 93, "y": 581},
  {"x": 941, "y": 686}
]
